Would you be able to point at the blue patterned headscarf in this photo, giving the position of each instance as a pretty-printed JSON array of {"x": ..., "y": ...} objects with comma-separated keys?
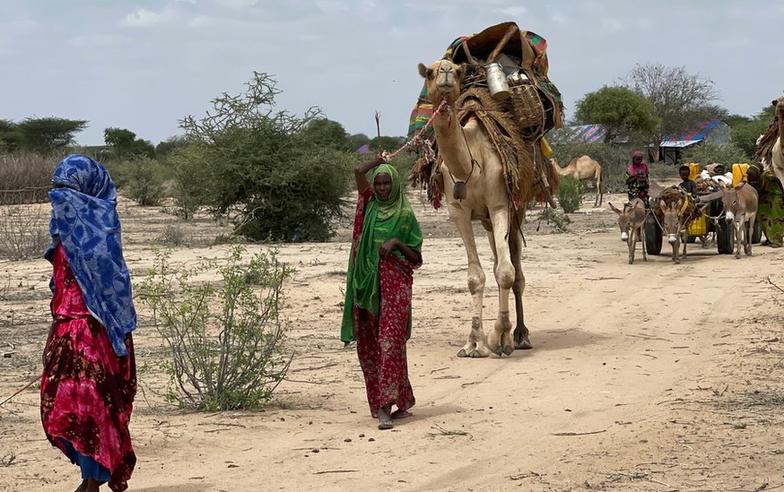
[{"x": 85, "y": 222}]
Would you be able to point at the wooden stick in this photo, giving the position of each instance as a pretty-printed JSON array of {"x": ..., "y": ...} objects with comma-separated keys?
[
  {"x": 335, "y": 471},
  {"x": 37, "y": 378},
  {"x": 579, "y": 433},
  {"x": 468, "y": 54},
  {"x": 774, "y": 285},
  {"x": 502, "y": 44},
  {"x": 378, "y": 124}
]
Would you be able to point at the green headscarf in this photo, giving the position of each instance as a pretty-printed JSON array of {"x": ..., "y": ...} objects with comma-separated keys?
[{"x": 384, "y": 219}]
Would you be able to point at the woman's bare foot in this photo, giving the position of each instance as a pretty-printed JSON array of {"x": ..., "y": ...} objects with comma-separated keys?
[
  {"x": 384, "y": 419},
  {"x": 92, "y": 485},
  {"x": 82, "y": 487},
  {"x": 401, "y": 414}
]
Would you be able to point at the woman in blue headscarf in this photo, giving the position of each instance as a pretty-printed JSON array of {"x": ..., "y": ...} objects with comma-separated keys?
[{"x": 89, "y": 377}]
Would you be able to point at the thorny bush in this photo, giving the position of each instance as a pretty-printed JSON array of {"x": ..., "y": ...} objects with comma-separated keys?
[{"x": 225, "y": 341}]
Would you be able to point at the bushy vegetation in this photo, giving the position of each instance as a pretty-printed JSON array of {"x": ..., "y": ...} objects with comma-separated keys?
[
  {"x": 570, "y": 194},
  {"x": 264, "y": 168},
  {"x": 26, "y": 171},
  {"x": 24, "y": 232},
  {"x": 224, "y": 339},
  {"x": 709, "y": 153}
]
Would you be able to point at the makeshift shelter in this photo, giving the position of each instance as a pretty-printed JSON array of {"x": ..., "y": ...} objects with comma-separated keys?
[
  {"x": 714, "y": 132},
  {"x": 577, "y": 134}
]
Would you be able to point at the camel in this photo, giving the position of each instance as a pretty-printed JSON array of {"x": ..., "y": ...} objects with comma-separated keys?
[
  {"x": 740, "y": 205},
  {"x": 777, "y": 157},
  {"x": 583, "y": 168},
  {"x": 475, "y": 189},
  {"x": 631, "y": 221}
]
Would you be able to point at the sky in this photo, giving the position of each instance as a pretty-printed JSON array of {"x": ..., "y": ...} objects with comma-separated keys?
[{"x": 146, "y": 64}]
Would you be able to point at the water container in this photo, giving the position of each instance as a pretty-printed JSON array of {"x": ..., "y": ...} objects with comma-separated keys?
[
  {"x": 698, "y": 226},
  {"x": 694, "y": 170},
  {"x": 496, "y": 80},
  {"x": 739, "y": 171}
]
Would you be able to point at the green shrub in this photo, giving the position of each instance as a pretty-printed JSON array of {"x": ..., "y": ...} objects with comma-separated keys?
[
  {"x": 570, "y": 194},
  {"x": 145, "y": 182},
  {"x": 225, "y": 342},
  {"x": 709, "y": 153},
  {"x": 172, "y": 235},
  {"x": 263, "y": 168},
  {"x": 559, "y": 220}
]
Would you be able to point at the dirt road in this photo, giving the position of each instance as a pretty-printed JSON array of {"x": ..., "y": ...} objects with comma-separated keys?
[{"x": 651, "y": 376}]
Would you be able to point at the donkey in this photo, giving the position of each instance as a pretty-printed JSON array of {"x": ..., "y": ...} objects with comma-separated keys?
[
  {"x": 631, "y": 221},
  {"x": 740, "y": 205},
  {"x": 677, "y": 215}
]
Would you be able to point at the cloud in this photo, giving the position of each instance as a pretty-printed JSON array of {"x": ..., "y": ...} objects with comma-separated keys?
[
  {"x": 514, "y": 12},
  {"x": 201, "y": 21},
  {"x": 146, "y": 18},
  {"x": 96, "y": 40},
  {"x": 237, "y": 4},
  {"x": 612, "y": 24}
]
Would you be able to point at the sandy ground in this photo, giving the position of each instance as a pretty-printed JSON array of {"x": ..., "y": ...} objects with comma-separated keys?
[{"x": 651, "y": 376}]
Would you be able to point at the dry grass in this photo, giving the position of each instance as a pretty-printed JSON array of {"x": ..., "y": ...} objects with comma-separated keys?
[
  {"x": 25, "y": 177},
  {"x": 24, "y": 231}
]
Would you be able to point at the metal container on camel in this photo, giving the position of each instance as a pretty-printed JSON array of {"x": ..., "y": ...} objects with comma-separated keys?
[{"x": 496, "y": 80}]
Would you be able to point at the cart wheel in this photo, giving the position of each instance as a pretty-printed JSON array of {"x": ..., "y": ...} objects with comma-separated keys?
[
  {"x": 724, "y": 237},
  {"x": 756, "y": 235},
  {"x": 653, "y": 236}
]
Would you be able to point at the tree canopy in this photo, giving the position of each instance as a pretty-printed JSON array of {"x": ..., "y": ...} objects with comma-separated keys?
[
  {"x": 265, "y": 166},
  {"x": 48, "y": 134},
  {"x": 622, "y": 110}
]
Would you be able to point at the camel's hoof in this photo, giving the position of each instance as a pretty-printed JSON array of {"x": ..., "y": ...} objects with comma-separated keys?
[
  {"x": 462, "y": 353},
  {"x": 524, "y": 344},
  {"x": 508, "y": 349},
  {"x": 477, "y": 354}
]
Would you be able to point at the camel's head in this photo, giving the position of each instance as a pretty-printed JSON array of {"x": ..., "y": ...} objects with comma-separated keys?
[
  {"x": 671, "y": 225},
  {"x": 779, "y": 105},
  {"x": 443, "y": 79}
]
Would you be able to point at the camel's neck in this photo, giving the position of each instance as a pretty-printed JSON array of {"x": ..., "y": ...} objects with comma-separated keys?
[
  {"x": 563, "y": 171},
  {"x": 452, "y": 144},
  {"x": 780, "y": 115}
]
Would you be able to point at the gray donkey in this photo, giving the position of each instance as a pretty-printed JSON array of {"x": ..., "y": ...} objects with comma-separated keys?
[
  {"x": 631, "y": 221},
  {"x": 740, "y": 205}
]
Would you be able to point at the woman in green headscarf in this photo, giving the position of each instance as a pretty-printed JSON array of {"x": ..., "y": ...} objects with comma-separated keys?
[
  {"x": 387, "y": 245},
  {"x": 770, "y": 211}
]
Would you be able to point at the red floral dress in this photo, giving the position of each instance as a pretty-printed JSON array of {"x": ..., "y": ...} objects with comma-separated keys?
[
  {"x": 87, "y": 391},
  {"x": 381, "y": 342}
]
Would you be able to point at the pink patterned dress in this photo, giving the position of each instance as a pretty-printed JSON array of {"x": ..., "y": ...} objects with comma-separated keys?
[
  {"x": 87, "y": 391},
  {"x": 381, "y": 342}
]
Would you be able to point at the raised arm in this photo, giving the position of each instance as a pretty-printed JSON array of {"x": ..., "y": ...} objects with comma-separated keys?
[{"x": 361, "y": 170}]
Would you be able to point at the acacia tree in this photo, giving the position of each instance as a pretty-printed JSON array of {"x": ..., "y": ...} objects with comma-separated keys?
[
  {"x": 263, "y": 166},
  {"x": 48, "y": 134},
  {"x": 125, "y": 144},
  {"x": 621, "y": 110},
  {"x": 679, "y": 99}
]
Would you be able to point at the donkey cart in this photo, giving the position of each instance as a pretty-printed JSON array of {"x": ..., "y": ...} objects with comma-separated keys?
[{"x": 709, "y": 219}]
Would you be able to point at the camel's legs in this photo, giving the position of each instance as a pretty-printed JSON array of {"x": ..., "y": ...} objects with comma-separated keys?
[
  {"x": 500, "y": 339},
  {"x": 476, "y": 346},
  {"x": 521, "y": 340}
]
